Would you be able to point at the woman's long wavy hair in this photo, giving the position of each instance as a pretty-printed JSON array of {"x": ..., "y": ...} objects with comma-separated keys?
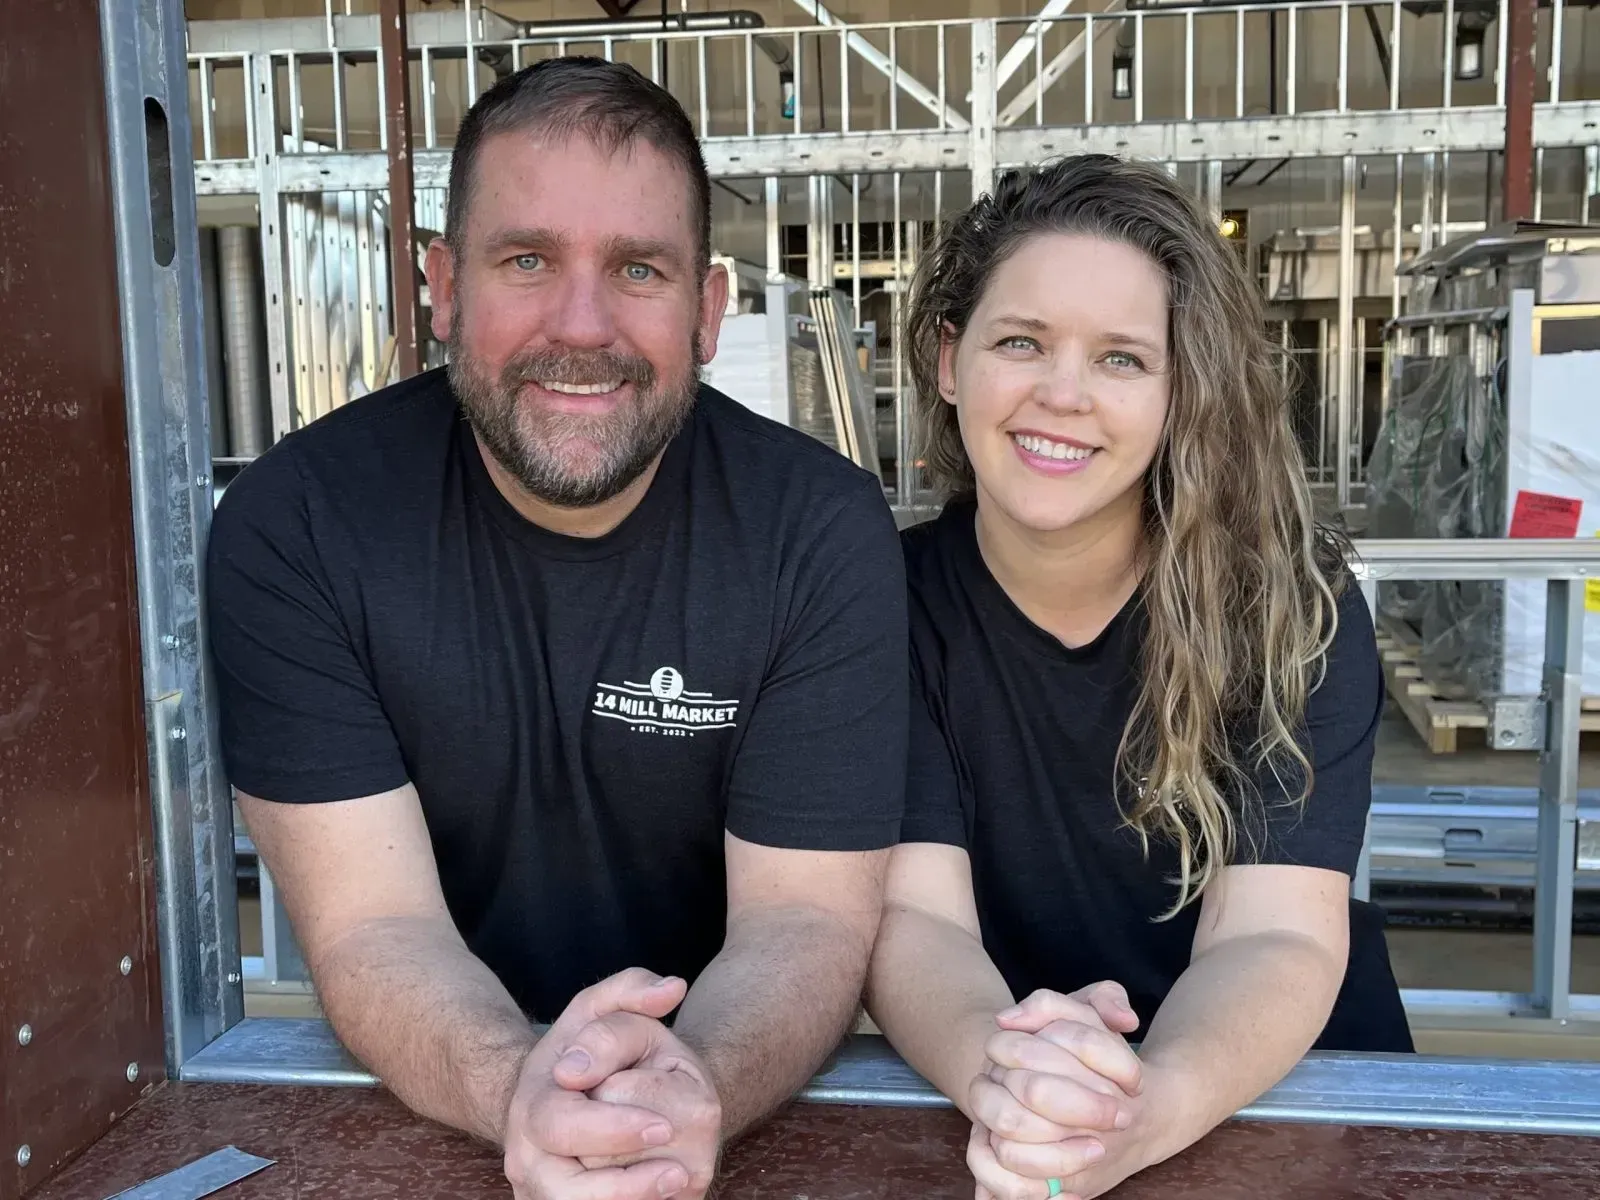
[{"x": 1237, "y": 579}]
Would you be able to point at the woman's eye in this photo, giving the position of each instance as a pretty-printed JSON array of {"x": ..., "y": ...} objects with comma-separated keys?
[
  {"x": 1118, "y": 358},
  {"x": 638, "y": 272},
  {"x": 527, "y": 262},
  {"x": 1019, "y": 343}
]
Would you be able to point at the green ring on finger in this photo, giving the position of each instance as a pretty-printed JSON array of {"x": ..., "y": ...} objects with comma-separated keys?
[{"x": 1055, "y": 1186}]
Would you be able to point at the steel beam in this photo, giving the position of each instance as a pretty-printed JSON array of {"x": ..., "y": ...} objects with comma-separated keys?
[
  {"x": 819, "y": 231},
  {"x": 1400, "y": 1090},
  {"x": 1057, "y": 67},
  {"x": 984, "y": 89},
  {"x": 401, "y": 181},
  {"x": 879, "y": 152},
  {"x": 896, "y": 74},
  {"x": 169, "y": 455},
  {"x": 1023, "y": 46},
  {"x": 1522, "y": 1012},
  {"x": 1517, "y": 194},
  {"x": 267, "y": 148},
  {"x": 1461, "y": 559},
  {"x": 358, "y": 38},
  {"x": 1558, "y": 800},
  {"x": 1309, "y": 135},
  {"x": 774, "y": 228},
  {"x": 726, "y": 158},
  {"x": 869, "y": 153},
  {"x": 1347, "y": 365}
]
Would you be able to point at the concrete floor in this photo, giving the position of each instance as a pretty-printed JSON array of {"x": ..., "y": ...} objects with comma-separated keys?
[
  {"x": 1402, "y": 758},
  {"x": 1498, "y": 962}
]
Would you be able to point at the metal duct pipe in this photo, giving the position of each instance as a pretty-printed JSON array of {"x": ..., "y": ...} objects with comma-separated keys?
[
  {"x": 777, "y": 50},
  {"x": 243, "y": 340}
]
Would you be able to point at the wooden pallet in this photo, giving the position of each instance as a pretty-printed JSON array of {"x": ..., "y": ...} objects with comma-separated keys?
[
  {"x": 1436, "y": 717},
  {"x": 1437, "y": 712}
]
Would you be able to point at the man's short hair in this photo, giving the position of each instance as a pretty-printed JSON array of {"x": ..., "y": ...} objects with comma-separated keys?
[{"x": 609, "y": 103}]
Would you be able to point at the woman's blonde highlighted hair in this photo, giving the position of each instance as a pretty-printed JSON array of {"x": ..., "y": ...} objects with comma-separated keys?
[{"x": 1238, "y": 581}]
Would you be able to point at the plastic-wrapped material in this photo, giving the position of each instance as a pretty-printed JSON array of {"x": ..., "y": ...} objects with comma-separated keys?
[
  {"x": 1451, "y": 461},
  {"x": 1553, "y": 451},
  {"x": 1438, "y": 470},
  {"x": 849, "y": 391},
  {"x": 813, "y": 410},
  {"x": 1486, "y": 288},
  {"x": 751, "y": 365},
  {"x": 1491, "y": 432}
]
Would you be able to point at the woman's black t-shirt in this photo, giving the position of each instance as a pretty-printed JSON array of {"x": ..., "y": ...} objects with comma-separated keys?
[{"x": 1014, "y": 739}]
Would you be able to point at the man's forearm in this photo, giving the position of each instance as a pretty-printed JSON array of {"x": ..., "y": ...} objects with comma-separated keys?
[
  {"x": 1233, "y": 1025},
  {"x": 934, "y": 992},
  {"x": 409, "y": 1000},
  {"x": 771, "y": 1006}
]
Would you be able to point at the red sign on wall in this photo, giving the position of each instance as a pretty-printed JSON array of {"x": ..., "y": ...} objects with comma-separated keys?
[{"x": 1537, "y": 515}]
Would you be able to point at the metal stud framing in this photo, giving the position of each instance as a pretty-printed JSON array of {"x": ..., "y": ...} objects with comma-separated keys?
[{"x": 170, "y": 454}]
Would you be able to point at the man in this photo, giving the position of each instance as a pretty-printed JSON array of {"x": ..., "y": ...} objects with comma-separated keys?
[{"x": 554, "y": 680}]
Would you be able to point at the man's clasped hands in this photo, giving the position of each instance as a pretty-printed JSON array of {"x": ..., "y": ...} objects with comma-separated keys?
[{"x": 611, "y": 1105}]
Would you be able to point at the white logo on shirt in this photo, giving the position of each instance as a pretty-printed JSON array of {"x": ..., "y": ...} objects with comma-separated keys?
[{"x": 663, "y": 705}]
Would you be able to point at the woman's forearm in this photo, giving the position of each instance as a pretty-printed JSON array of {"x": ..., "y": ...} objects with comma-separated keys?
[
  {"x": 1233, "y": 1025},
  {"x": 934, "y": 992}
]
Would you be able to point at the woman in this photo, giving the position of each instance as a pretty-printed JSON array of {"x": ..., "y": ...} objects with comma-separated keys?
[{"x": 1146, "y": 692}]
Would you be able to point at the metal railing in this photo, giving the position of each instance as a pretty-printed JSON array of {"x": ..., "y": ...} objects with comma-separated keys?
[
  {"x": 1565, "y": 565},
  {"x": 1166, "y": 62}
]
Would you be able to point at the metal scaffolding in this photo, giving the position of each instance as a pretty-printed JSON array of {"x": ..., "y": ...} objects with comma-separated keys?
[{"x": 792, "y": 105}]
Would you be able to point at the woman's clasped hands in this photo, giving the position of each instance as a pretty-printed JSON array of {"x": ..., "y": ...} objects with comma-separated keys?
[{"x": 1058, "y": 1109}]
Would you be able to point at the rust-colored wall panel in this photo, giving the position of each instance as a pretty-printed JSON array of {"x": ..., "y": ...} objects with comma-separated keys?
[
  {"x": 361, "y": 1144},
  {"x": 76, "y": 862}
]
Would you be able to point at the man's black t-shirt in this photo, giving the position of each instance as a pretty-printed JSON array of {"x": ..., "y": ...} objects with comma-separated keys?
[
  {"x": 1013, "y": 749},
  {"x": 582, "y": 718}
]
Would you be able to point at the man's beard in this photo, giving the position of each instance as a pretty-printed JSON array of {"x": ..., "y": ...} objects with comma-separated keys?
[{"x": 570, "y": 460}]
